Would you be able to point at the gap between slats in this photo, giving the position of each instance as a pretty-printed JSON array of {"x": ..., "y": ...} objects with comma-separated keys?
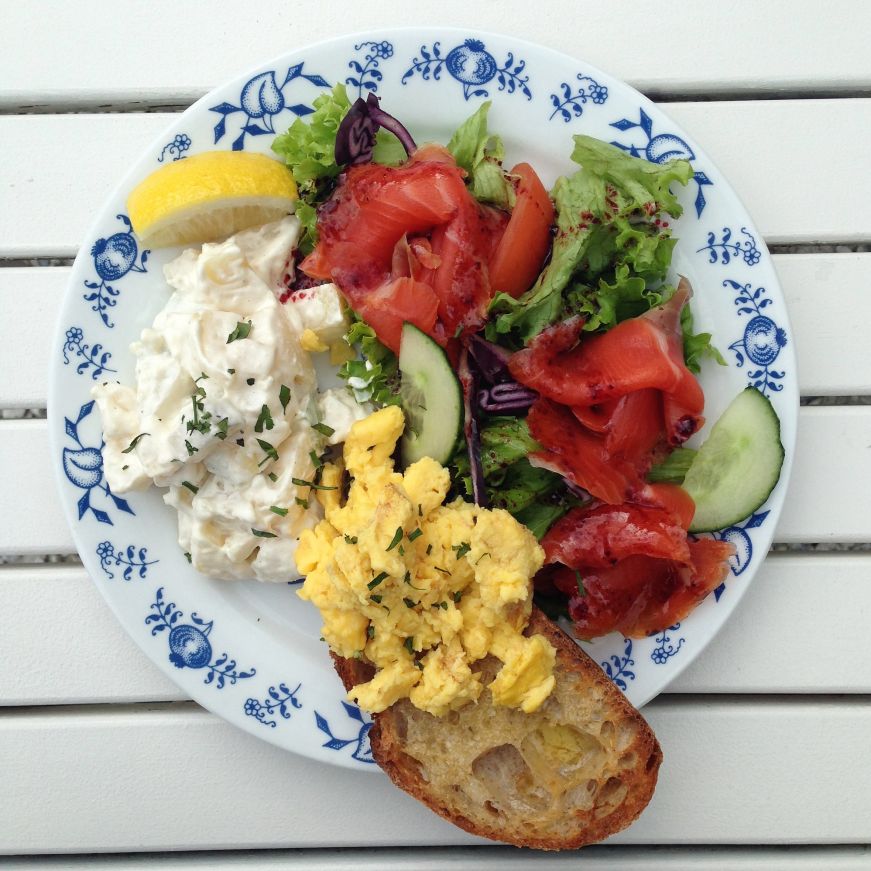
[
  {"x": 779, "y": 142},
  {"x": 775, "y": 771},
  {"x": 832, "y": 350},
  {"x": 785, "y": 598},
  {"x": 598, "y": 858},
  {"x": 737, "y": 47},
  {"x": 825, "y": 503}
]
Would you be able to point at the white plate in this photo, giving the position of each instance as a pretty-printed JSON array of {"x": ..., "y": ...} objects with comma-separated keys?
[{"x": 250, "y": 652}]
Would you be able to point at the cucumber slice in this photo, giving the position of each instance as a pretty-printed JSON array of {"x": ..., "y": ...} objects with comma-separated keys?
[
  {"x": 739, "y": 464},
  {"x": 432, "y": 398}
]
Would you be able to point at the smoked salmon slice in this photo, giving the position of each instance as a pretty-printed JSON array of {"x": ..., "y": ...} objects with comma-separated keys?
[
  {"x": 579, "y": 455},
  {"x": 638, "y": 571},
  {"x": 416, "y": 221},
  {"x": 639, "y": 353}
]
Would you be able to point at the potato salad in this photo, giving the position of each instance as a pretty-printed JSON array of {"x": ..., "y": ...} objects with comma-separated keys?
[{"x": 226, "y": 411}]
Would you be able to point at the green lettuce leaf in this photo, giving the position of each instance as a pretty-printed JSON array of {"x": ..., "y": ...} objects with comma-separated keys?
[
  {"x": 308, "y": 146},
  {"x": 375, "y": 377},
  {"x": 606, "y": 238},
  {"x": 481, "y": 155},
  {"x": 536, "y": 497},
  {"x": 309, "y": 149},
  {"x": 673, "y": 469},
  {"x": 696, "y": 346}
]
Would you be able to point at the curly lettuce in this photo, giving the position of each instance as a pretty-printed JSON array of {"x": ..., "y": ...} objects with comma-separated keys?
[
  {"x": 480, "y": 154},
  {"x": 610, "y": 256},
  {"x": 308, "y": 147},
  {"x": 373, "y": 376}
]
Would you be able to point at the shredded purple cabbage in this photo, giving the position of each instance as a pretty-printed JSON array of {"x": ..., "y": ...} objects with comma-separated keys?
[
  {"x": 509, "y": 397},
  {"x": 471, "y": 430},
  {"x": 491, "y": 360},
  {"x": 355, "y": 138}
]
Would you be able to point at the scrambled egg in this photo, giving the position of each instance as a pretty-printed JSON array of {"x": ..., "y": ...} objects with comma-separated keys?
[{"x": 421, "y": 589}]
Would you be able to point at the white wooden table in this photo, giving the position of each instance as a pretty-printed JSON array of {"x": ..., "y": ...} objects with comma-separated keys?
[{"x": 766, "y": 736}]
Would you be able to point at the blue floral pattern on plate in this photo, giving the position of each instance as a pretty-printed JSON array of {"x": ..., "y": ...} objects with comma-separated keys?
[
  {"x": 359, "y": 743},
  {"x": 728, "y": 247},
  {"x": 473, "y": 66},
  {"x": 665, "y": 647},
  {"x": 131, "y": 557},
  {"x": 367, "y": 71},
  {"x": 570, "y": 101},
  {"x": 661, "y": 148},
  {"x": 83, "y": 467},
  {"x": 434, "y": 89},
  {"x": 280, "y": 700},
  {"x": 175, "y": 149},
  {"x": 93, "y": 358},
  {"x": 113, "y": 259},
  {"x": 618, "y": 667},
  {"x": 189, "y": 645},
  {"x": 762, "y": 340},
  {"x": 261, "y": 100}
]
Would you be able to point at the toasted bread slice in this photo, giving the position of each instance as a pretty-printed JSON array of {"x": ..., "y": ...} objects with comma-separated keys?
[{"x": 579, "y": 769}]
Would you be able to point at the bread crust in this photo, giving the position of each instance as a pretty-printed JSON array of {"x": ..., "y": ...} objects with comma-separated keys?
[{"x": 577, "y": 675}]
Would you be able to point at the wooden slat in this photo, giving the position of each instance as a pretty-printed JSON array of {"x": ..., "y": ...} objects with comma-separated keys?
[
  {"x": 826, "y": 502},
  {"x": 735, "y": 772},
  {"x": 832, "y": 351},
  {"x": 600, "y": 858},
  {"x": 768, "y": 150},
  {"x": 763, "y": 648},
  {"x": 709, "y": 47}
]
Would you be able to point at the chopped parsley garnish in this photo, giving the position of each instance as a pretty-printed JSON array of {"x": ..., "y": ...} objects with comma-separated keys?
[
  {"x": 370, "y": 631},
  {"x": 135, "y": 442},
  {"x": 269, "y": 450},
  {"x": 202, "y": 377},
  {"x": 317, "y": 462},
  {"x": 262, "y": 533},
  {"x": 582, "y": 591},
  {"x": 381, "y": 576},
  {"x": 284, "y": 397},
  {"x": 192, "y": 487},
  {"x": 264, "y": 419},
  {"x": 428, "y": 549},
  {"x": 442, "y": 605},
  {"x": 440, "y": 569},
  {"x": 457, "y": 595},
  {"x": 351, "y": 539},
  {"x": 409, "y": 645},
  {"x": 187, "y": 556},
  {"x": 190, "y": 448},
  {"x": 272, "y": 477},
  {"x": 241, "y": 331},
  {"x": 462, "y": 548},
  {"x": 301, "y": 482},
  {"x": 397, "y": 537},
  {"x": 419, "y": 510},
  {"x": 222, "y": 425},
  {"x": 240, "y": 442},
  {"x": 409, "y": 603},
  {"x": 201, "y": 421},
  {"x": 303, "y": 503},
  {"x": 124, "y": 468},
  {"x": 376, "y": 598},
  {"x": 487, "y": 553},
  {"x": 231, "y": 371},
  {"x": 250, "y": 381},
  {"x": 323, "y": 429},
  {"x": 415, "y": 533},
  {"x": 281, "y": 512}
]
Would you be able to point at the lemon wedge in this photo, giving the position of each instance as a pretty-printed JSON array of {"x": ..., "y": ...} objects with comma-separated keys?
[{"x": 208, "y": 197}]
